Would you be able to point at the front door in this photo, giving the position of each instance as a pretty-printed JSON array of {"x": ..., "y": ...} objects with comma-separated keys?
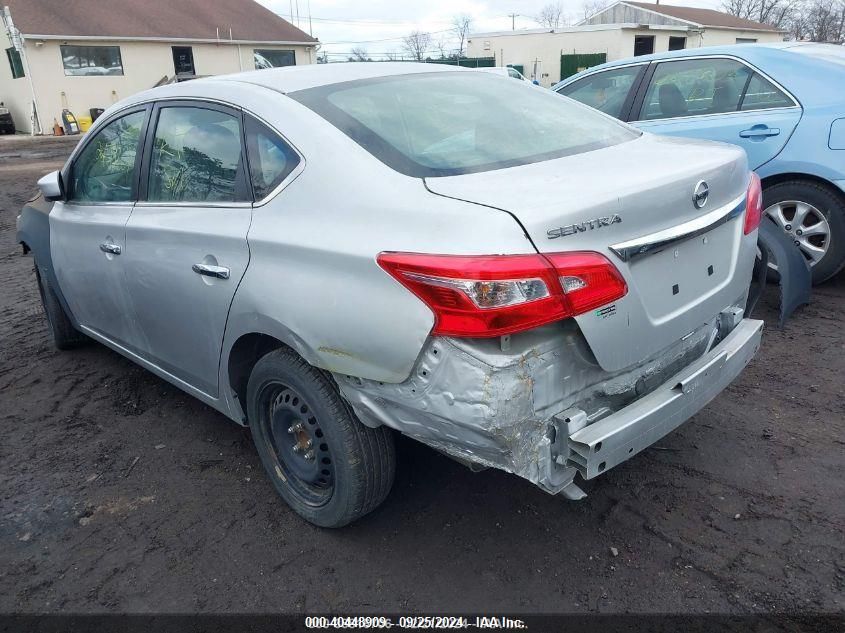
[
  {"x": 720, "y": 99},
  {"x": 87, "y": 232},
  {"x": 183, "y": 60},
  {"x": 186, "y": 239}
]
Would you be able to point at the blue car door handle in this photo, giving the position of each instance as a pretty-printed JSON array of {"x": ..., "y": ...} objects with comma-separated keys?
[{"x": 758, "y": 131}]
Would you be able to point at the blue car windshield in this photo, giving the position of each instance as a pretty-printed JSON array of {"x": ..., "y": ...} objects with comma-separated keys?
[{"x": 449, "y": 123}]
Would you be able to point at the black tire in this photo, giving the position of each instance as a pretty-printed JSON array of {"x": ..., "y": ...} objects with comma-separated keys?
[
  {"x": 65, "y": 336},
  {"x": 355, "y": 464},
  {"x": 831, "y": 204}
]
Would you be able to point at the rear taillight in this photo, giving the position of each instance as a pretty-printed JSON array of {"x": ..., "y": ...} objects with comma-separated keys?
[
  {"x": 753, "y": 204},
  {"x": 493, "y": 295}
]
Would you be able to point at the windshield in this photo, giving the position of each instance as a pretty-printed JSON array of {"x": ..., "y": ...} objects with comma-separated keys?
[{"x": 449, "y": 123}]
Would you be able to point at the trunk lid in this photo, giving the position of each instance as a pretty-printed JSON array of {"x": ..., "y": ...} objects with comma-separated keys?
[{"x": 614, "y": 201}]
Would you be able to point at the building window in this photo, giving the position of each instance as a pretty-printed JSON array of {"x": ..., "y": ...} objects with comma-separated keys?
[
  {"x": 266, "y": 58},
  {"x": 677, "y": 43},
  {"x": 643, "y": 45},
  {"x": 15, "y": 62},
  {"x": 91, "y": 60},
  {"x": 746, "y": 40}
]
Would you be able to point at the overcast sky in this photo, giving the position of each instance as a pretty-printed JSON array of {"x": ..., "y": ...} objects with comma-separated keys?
[{"x": 379, "y": 25}]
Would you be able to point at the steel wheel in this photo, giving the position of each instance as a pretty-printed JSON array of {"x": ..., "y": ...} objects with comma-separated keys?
[
  {"x": 807, "y": 226},
  {"x": 299, "y": 452}
]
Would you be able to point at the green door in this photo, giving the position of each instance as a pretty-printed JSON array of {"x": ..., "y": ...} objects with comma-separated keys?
[{"x": 575, "y": 63}]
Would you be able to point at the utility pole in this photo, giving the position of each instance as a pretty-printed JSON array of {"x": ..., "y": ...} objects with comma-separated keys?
[{"x": 513, "y": 17}]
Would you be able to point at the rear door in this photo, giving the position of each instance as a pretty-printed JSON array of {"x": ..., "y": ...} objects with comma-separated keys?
[
  {"x": 720, "y": 99},
  {"x": 186, "y": 246},
  {"x": 87, "y": 231}
]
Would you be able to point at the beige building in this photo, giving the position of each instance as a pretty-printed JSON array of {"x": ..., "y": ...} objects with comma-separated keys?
[
  {"x": 89, "y": 54},
  {"x": 624, "y": 29}
]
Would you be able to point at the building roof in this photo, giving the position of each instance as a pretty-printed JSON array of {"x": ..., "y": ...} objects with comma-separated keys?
[
  {"x": 154, "y": 19},
  {"x": 704, "y": 17}
]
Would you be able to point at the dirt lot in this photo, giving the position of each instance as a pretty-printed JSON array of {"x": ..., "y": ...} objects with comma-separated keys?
[{"x": 741, "y": 510}]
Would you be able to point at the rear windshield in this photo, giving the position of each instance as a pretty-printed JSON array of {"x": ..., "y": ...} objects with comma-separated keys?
[{"x": 449, "y": 123}]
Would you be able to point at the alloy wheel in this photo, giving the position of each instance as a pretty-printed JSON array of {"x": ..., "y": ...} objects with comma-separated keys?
[{"x": 806, "y": 225}]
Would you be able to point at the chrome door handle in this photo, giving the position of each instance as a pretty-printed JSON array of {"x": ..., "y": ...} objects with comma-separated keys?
[
  {"x": 114, "y": 249},
  {"x": 760, "y": 131},
  {"x": 220, "y": 272}
]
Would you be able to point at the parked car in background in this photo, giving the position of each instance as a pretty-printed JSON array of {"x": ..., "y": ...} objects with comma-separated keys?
[
  {"x": 328, "y": 253},
  {"x": 783, "y": 103},
  {"x": 506, "y": 71},
  {"x": 7, "y": 124}
]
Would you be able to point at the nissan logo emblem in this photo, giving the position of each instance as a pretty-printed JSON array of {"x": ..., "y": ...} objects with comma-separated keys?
[{"x": 700, "y": 194}]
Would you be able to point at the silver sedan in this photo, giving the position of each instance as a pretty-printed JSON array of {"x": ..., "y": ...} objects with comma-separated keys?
[{"x": 332, "y": 254}]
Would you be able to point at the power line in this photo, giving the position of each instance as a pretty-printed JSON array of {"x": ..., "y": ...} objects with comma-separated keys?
[
  {"x": 355, "y": 20},
  {"x": 386, "y": 39}
]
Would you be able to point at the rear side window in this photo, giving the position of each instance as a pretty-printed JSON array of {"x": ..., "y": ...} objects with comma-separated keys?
[
  {"x": 271, "y": 160},
  {"x": 695, "y": 87},
  {"x": 459, "y": 122},
  {"x": 196, "y": 156},
  {"x": 104, "y": 170},
  {"x": 762, "y": 94},
  {"x": 605, "y": 91}
]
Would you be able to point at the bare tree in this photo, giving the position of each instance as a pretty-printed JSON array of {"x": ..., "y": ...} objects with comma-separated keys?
[
  {"x": 442, "y": 47},
  {"x": 416, "y": 44},
  {"x": 551, "y": 15},
  {"x": 821, "y": 21},
  {"x": 778, "y": 13},
  {"x": 391, "y": 55},
  {"x": 359, "y": 54},
  {"x": 591, "y": 7},
  {"x": 461, "y": 25}
]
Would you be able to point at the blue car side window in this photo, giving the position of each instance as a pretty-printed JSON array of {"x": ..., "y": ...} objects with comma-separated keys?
[
  {"x": 763, "y": 94},
  {"x": 605, "y": 91},
  {"x": 695, "y": 87}
]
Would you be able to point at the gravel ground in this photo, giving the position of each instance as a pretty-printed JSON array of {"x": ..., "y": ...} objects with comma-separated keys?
[{"x": 120, "y": 493}]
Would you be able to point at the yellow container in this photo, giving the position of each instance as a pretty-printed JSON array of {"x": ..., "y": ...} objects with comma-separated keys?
[{"x": 84, "y": 123}]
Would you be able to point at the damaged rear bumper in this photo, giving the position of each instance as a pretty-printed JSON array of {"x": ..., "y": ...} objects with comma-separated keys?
[
  {"x": 540, "y": 406},
  {"x": 595, "y": 448}
]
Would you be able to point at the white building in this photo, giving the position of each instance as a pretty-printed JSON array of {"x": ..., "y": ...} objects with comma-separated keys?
[
  {"x": 89, "y": 54},
  {"x": 624, "y": 29}
]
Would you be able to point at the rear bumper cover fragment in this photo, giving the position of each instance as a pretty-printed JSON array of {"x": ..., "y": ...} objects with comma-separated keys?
[{"x": 598, "y": 447}]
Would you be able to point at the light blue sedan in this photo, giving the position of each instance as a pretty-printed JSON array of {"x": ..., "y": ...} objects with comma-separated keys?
[{"x": 783, "y": 103}]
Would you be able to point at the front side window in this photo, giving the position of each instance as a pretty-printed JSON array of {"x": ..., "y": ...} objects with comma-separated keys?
[
  {"x": 91, "y": 60},
  {"x": 268, "y": 58},
  {"x": 449, "y": 123},
  {"x": 104, "y": 170},
  {"x": 271, "y": 160},
  {"x": 196, "y": 156},
  {"x": 694, "y": 87},
  {"x": 15, "y": 63},
  {"x": 605, "y": 91}
]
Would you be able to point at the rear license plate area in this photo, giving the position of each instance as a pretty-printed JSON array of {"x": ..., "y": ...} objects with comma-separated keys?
[{"x": 686, "y": 273}]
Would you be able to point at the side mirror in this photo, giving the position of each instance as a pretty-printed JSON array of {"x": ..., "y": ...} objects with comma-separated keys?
[{"x": 51, "y": 186}]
